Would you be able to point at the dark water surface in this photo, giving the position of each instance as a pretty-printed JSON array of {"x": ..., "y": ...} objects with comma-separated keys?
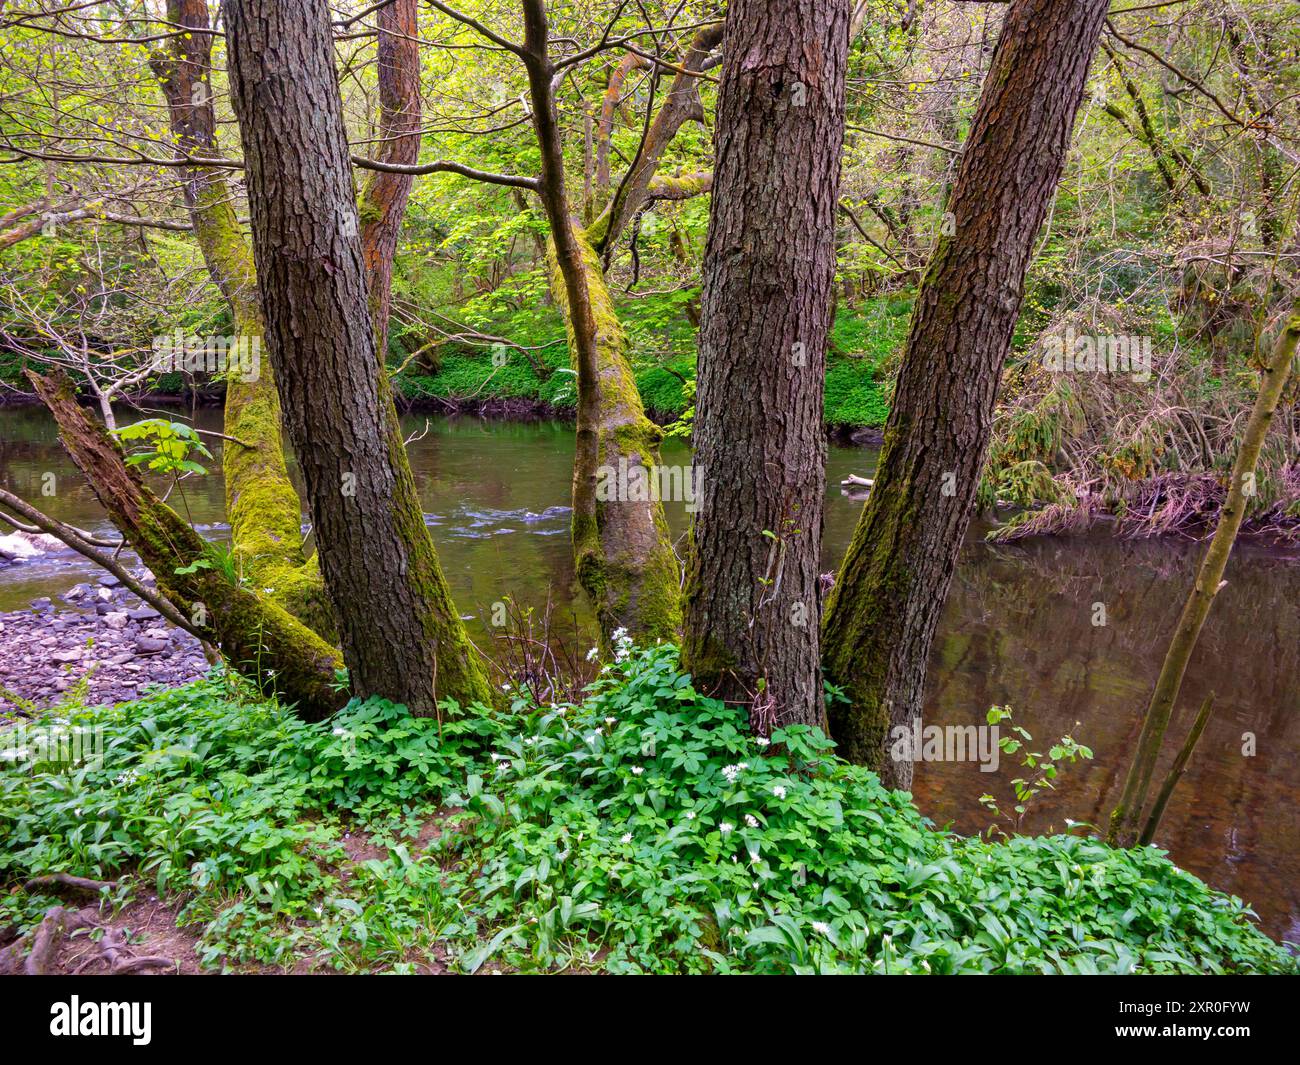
[{"x": 1018, "y": 630}]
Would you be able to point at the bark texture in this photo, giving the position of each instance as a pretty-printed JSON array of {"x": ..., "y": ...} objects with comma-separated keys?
[
  {"x": 882, "y": 613},
  {"x": 753, "y": 606},
  {"x": 401, "y": 635}
]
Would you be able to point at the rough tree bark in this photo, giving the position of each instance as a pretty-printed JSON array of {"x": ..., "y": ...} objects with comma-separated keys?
[
  {"x": 881, "y": 615},
  {"x": 257, "y": 637},
  {"x": 401, "y": 635},
  {"x": 753, "y": 605}
]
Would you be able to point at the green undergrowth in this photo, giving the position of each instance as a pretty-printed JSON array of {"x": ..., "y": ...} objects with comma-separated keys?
[
  {"x": 864, "y": 347},
  {"x": 643, "y": 830}
]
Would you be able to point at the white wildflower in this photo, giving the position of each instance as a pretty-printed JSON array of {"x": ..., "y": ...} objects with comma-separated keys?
[
  {"x": 637, "y": 770},
  {"x": 622, "y": 645},
  {"x": 751, "y": 820},
  {"x": 821, "y": 928},
  {"x": 724, "y": 827},
  {"x": 626, "y": 838},
  {"x": 779, "y": 791}
]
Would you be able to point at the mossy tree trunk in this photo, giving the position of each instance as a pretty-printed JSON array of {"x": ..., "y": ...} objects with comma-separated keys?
[
  {"x": 881, "y": 616},
  {"x": 258, "y": 638},
  {"x": 1126, "y": 816},
  {"x": 262, "y": 505},
  {"x": 401, "y": 635},
  {"x": 753, "y": 604},
  {"x": 622, "y": 552}
]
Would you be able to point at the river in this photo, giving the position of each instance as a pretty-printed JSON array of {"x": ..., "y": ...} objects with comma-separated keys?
[{"x": 1018, "y": 630}]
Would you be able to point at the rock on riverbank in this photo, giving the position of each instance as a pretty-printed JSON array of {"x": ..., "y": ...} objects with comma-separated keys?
[{"x": 99, "y": 632}]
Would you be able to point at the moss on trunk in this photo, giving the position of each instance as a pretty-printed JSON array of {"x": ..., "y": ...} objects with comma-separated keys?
[{"x": 623, "y": 552}]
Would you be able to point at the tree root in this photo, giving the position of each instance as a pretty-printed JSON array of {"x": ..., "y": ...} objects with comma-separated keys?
[
  {"x": 37, "y": 953},
  {"x": 65, "y": 883}
]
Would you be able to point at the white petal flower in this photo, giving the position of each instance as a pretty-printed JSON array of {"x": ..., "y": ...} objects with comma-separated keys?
[{"x": 725, "y": 827}]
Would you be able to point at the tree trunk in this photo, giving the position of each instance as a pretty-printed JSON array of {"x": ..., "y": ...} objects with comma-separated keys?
[
  {"x": 881, "y": 616},
  {"x": 753, "y": 606},
  {"x": 258, "y": 638},
  {"x": 262, "y": 505},
  {"x": 1209, "y": 579},
  {"x": 623, "y": 556},
  {"x": 401, "y": 635},
  {"x": 383, "y": 199},
  {"x": 622, "y": 550}
]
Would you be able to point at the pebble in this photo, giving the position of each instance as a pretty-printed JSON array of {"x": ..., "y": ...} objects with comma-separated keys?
[{"x": 46, "y": 650}]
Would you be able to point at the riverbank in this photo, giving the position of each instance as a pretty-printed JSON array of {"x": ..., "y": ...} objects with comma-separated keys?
[
  {"x": 98, "y": 644},
  {"x": 432, "y": 374},
  {"x": 1019, "y": 620}
]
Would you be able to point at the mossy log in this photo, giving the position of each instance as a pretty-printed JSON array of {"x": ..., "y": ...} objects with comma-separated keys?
[{"x": 257, "y": 638}]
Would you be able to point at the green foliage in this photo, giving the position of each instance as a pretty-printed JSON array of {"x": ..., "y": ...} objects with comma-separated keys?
[
  {"x": 643, "y": 830},
  {"x": 865, "y": 344},
  {"x": 1043, "y": 768},
  {"x": 164, "y": 446}
]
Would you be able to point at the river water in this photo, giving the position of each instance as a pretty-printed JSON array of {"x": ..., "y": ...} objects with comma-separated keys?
[{"x": 1018, "y": 630}]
